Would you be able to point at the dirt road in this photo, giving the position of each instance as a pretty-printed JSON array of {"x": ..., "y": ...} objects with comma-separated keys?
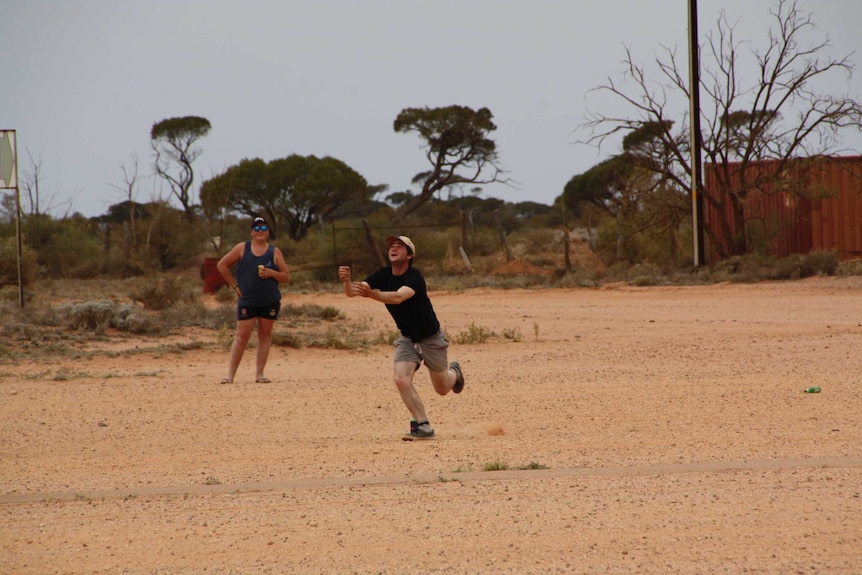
[{"x": 613, "y": 430}]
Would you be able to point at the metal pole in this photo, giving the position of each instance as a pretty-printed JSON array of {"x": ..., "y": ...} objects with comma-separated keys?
[
  {"x": 696, "y": 138},
  {"x": 20, "y": 249},
  {"x": 334, "y": 245},
  {"x": 11, "y": 137}
]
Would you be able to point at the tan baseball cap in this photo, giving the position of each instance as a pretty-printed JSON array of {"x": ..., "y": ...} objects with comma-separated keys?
[{"x": 408, "y": 243}]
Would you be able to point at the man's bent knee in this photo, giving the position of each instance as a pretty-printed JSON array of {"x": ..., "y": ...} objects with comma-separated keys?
[{"x": 440, "y": 381}]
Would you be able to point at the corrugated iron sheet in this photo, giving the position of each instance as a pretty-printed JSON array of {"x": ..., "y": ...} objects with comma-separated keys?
[{"x": 816, "y": 206}]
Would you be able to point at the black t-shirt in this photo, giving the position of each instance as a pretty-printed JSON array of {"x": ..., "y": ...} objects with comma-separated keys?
[{"x": 415, "y": 316}]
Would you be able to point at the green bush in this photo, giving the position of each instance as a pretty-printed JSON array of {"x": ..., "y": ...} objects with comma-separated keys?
[
  {"x": 512, "y": 333},
  {"x": 740, "y": 269},
  {"x": 850, "y": 268},
  {"x": 820, "y": 262},
  {"x": 225, "y": 294},
  {"x": 578, "y": 277},
  {"x": 496, "y": 465},
  {"x": 473, "y": 334},
  {"x": 68, "y": 248},
  {"x": 803, "y": 266},
  {"x": 9, "y": 262},
  {"x": 646, "y": 274},
  {"x": 166, "y": 239},
  {"x": 157, "y": 293}
]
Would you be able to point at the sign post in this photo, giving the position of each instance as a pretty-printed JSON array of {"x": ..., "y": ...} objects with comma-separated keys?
[{"x": 9, "y": 181}]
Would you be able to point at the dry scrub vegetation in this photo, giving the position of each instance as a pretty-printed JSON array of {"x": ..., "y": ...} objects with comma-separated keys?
[{"x": 60, "y": 315}]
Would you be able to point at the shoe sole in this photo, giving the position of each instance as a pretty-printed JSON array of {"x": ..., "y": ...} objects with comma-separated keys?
[
  {"x": 459, "y": 385},
  {"x": 409, "y": 437}
]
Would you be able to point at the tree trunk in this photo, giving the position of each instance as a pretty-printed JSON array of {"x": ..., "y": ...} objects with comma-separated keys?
[
  {"x": 502, "y": 235},
  {"x": 739, "y": 247},
  {"x": 566, "y": 248}
]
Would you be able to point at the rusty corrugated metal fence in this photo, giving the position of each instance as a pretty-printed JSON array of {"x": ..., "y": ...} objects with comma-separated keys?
[{"x": 814, "y": 206}]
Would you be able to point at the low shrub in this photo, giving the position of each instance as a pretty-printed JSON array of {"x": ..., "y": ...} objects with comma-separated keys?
[
  {"x": 850, "y": 268},
  {"x": 158, "y": 293},
  {"x": 313, "y": 311},
  {"x": 473, "y": 334},
  {"x": 496, "y": 465},
  {"x": 802, "y": 266},
  {"x": 96, "y": 316}
]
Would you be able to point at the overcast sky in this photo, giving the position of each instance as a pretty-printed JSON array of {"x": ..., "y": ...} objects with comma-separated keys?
[{"x": 83, "y": 81}]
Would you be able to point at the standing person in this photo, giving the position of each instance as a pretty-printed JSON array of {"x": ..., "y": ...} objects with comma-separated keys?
[
  {"x": 260, "y": 268},
  {"x": 402, "y": 288}
]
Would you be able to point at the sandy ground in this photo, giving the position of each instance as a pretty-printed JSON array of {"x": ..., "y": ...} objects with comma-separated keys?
[{"x": 644, "y": 430}]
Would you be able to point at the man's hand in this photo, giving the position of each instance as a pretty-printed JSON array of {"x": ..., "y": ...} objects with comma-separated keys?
[
  {"x": 344, "y": 273},
  {"x": 362, "y": 289},
  {"x": 349, "y": 287}
]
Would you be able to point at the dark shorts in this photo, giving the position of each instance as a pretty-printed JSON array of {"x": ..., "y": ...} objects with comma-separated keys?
[{"x": 266, "y": 311}]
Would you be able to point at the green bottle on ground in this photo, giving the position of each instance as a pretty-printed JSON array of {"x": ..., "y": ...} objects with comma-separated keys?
[{"x": 812, "y": 390}]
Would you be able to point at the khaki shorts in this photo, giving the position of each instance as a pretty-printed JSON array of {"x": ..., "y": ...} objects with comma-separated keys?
[{"x": 433, "y": 350}]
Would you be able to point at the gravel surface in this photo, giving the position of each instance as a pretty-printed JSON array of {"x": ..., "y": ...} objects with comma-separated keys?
[{"x": 611, "y": 430}]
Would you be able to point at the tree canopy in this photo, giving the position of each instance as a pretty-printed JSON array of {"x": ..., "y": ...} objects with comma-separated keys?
[
  {"x": 172, "y": 141},
  {"x": 600, "y": 184},
  {"x": 290, "y": 192},
  {"x": 456, "y": 146}
]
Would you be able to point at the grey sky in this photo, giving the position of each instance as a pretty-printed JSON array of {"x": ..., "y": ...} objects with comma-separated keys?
[{"x": 83, "y": 81}]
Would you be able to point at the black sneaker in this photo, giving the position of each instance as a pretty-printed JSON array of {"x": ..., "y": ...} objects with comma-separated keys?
[
  {"x": 459, "y": 379},
  {"x": 418, "y": 431}
]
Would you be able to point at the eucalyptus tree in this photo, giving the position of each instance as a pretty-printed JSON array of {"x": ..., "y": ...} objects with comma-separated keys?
[
  {"x": 292, "y": 192},
  {"x": 457, "y": 146},
  {"x": 173, "y": 143}
]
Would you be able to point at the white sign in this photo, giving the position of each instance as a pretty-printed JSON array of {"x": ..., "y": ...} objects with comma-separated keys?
[{"x": 8, "y": 164}]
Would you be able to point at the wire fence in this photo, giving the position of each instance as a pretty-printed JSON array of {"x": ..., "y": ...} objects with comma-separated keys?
[{"x": 372, "y": 236}]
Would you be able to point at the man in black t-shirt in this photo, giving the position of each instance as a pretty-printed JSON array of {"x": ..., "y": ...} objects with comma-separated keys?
[{"x": 401, "y": 287}]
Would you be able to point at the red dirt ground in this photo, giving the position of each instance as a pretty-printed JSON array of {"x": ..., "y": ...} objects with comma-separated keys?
[{"x": 644, "y": 430}]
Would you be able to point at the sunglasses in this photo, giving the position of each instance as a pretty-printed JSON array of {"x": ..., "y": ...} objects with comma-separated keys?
[{"x": 260, "y": 228}]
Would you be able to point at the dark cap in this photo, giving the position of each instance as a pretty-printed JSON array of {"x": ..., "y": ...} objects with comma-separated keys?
[{"x": 258, "y": 221}]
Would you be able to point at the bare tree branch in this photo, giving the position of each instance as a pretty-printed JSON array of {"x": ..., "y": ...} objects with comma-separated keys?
[{"x": 783, "y": 115}]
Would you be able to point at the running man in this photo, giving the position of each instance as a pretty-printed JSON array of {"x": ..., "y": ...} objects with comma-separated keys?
[{"x": 401, "y": 287}]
